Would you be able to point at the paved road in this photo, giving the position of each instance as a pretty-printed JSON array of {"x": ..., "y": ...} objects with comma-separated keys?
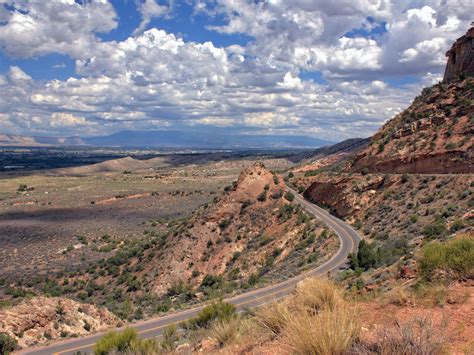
[{"x": 349, "y": 239}]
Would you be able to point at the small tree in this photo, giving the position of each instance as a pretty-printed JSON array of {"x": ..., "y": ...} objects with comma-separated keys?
[
  {"x": 289, "y": 196},
  {"x": 7, "y": 344}
]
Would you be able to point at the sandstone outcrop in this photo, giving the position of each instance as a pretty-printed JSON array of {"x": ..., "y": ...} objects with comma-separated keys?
[
  {"x": 40, "y": 319},
  {"x": 460, "y": 58},
  {"x": 435, "y": 134}
]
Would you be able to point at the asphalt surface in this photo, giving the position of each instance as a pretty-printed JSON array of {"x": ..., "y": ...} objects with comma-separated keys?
[{"x": 349, "y": 239}]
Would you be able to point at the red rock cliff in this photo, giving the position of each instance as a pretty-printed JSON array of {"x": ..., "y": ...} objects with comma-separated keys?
[{"x": 460, "y": 58}]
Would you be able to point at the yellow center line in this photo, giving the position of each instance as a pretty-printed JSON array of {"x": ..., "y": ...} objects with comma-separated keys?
[
  {"x": 166, "y": 325},
  {"x": 316, "y": 212}
]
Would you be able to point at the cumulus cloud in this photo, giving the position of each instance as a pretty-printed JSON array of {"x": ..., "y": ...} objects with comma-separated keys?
[
  {"x": 63, "y": 119},
  {"x": 150, "y": 9},
  {"x": 157, "y": 79},
  {"x": 39, "y": 27}
]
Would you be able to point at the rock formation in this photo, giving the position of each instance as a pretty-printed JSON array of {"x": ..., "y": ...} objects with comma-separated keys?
[
  {"x": 460, "y": 58},
  {"x": 40, "y": 319},
  {"x": 435, "y": 133}
]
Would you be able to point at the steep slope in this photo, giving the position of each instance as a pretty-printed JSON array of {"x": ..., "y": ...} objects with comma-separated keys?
[
  {"x": 412, "y": 184},
  {"x": 435, "y": 134},
  {"x": 252, "y": 231},
  {"x": 250, "y": 235}
]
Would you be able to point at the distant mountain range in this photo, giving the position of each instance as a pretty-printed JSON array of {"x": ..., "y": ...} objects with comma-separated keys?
[{"x": 169, "y": 139}]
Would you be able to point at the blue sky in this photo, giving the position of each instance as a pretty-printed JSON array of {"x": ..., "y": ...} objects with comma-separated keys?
[{"x": 331, "y": 70}]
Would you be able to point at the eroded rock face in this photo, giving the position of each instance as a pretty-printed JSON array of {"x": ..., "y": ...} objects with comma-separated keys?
[
  {"x": 40, "y": 319},
  {"x": 460, "y": 58},
  {"x": 433, "y": 135}
]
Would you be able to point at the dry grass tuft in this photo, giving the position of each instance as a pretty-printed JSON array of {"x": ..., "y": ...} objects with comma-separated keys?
[
  {"x": 226, "y": 331},
  {"x": 415, "y": 337},
  {"x": 316, "y": 294},
  {"x": 315, "y": 320},
  {"x": 332, "y": 331},
  {"x": 273, "y": 317}
]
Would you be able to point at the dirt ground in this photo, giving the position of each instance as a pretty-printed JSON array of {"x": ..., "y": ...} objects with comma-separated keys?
[{"x": 39, "y": 227}]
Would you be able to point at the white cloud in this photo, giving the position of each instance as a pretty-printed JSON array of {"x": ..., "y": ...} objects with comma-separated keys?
[
  {"x": 158, "y": 79},
  {"x": 62, "y": 119},
  {"x": 150, "y": 9},
  {"x": 16, "y": 75},
  {"x": 39, "y": 27}
]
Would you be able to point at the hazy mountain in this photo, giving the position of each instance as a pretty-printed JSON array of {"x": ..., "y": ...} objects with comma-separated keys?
[
  {"x": 169, "y": 139},
  {"x": 179, "y": 139}
]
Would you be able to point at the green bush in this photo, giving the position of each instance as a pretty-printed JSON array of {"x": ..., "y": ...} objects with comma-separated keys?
[
  {"x": 263, "y": 196},
  {"x": 220, "y": 310},
  {"x": 289, "y": 196},
  {"x": 113, "y": 342},
  {"x": 453, "y": 259},
  {"x": 7, "y": 344},
  {"x": 211, "y": 281},
  {"x": 365, "y": 258},
  {"x": 436, "y": 230}
]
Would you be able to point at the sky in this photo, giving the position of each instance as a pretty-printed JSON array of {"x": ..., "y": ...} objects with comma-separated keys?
[{"x": 326, "y": 69}]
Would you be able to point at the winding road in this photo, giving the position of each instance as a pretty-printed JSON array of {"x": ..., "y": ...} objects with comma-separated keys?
[{"x": 349, "y": 239}]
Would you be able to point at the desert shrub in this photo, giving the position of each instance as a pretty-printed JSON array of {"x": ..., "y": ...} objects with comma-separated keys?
[
  {"x": 415, "y": 337},
  {"x": 245, "y": 204},
  {"x": 285, "y": 212},
  {"x": 316, "y": 293},
  {"x": 291, "y": 175},
  {"x": 289, "y": 196},
  {"x": 365, "y": 258},
  {"x": 211, "y": 281},
  {"x": 7, "y": 344},
  {"x": 458, "y": 224},
  {"x": 219, "y": 310},
  {"x": 452, "y": 259},
  {"x": 263, "y": 196},
  {"x": 273, "y": 317},
  {"x": 113, "y": 342},
  {"x": 169, "y": 339},
  {"x": 331, "y": 331},
  {"x": 315, "y": 320},
  {"x": 435, "y": 230},
  {"x": 225, "y": 223},
  {"x": 225, "y": 331},
  {"x": 179, "y": 287}
]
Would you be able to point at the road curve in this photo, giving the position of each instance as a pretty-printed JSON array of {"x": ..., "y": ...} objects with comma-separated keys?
[{"x": 349, "y": 239}]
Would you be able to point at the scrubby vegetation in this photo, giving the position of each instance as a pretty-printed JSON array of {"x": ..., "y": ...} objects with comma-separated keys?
[
  {"x": 452, "y": 260},
  {"x": 315, "y": 319},
  {"x": 127, "y": 342},
  {"x": 7, "y": 344}
]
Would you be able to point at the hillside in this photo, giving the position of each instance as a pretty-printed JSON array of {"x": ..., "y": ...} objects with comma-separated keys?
[
  {"x": 249, "y": 236},
  {"x": 412, "y": 184},
  {"x": 435, "y": 134}
]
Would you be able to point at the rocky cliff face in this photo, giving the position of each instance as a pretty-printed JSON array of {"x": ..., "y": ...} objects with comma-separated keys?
[
  {"x": 460, "y": 58},
  {"x": 435, "y": 134}
]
